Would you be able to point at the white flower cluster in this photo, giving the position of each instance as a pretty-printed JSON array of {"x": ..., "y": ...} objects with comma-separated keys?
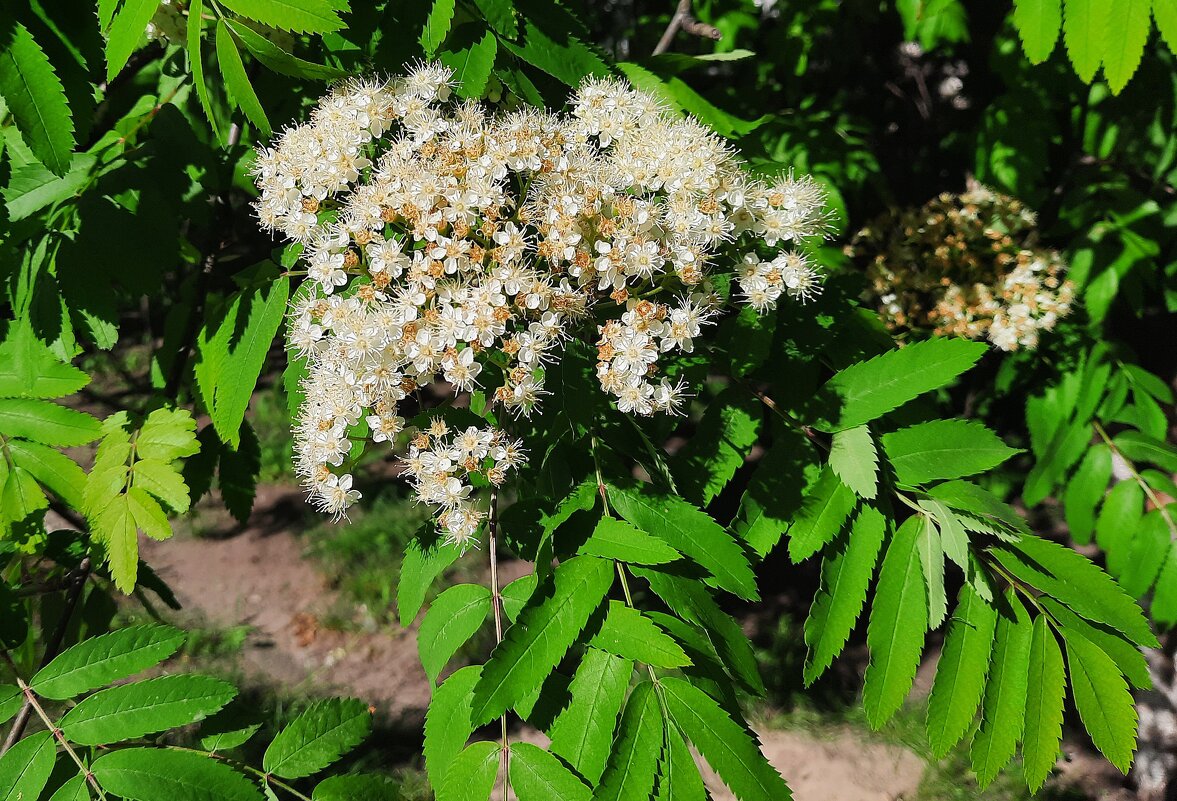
[
  {"x": 440, "y": 464},
  {"x": 445, "y": 243}
]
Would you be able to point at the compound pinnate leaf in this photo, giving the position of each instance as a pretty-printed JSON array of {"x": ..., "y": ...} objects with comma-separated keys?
[
  {"x": 153, "y": 774},
  {"x": 633, "y": 762},
  {"x": 943, "y": 449},
  {"x": 961, "y": 671},
  {"x": 29, "y": 369},
  {"x": 36, "y": 99},
  {"x": 691, "y": 532},
  {"x": 536, "y": 775},
  {"x": 867, "y": 390},
  {"x": 46, "y": 422},
  {"x": 726, "y": 745},
  {"x": 1003, "y": 709},
  {"x": 1102, "y": 697},
  {"x": 447, "y": 723},
  {"x": 25, "y": 768},
  {"x": 298, "y": 16},
  {"x": 1038, "y": 23},
  {"x": 98, "y": 661},
  {"x": 616, "y": 539},
  {"x": 452, "y": 619},
  {"x": 583, "y": 732},
  {"x": 845, "y": 578},
  {"x": 471, "y": 777},
  {"x": 536, "y": 643},
  {"x": 322, "y": 734},
  {"x": 145, "y": 707},
  {"x": 855, "y": 460},
  {"x": 1046, "y": 691},
  {"x": 628, "y": 633},
  {"x": 898, "y": 620}
]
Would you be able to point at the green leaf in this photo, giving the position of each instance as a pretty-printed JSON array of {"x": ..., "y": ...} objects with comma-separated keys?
[
  {"x": 501, "y": 16},
  {"x": 616, "y": 539},
  {"x": 29, "y": 369},
  {"x": 724, "y": 743},
  {"x": 447, "y": 723},
  {"x": 356, "y": 786},
  {"x": 237, "y": 81},
  {"x": 1124, "y": 653},
  {"x": 634, "y": 761},
  {"x": 821, "y": 516},
  {"x": 776, "y": 491},
  {"x": 932, "y": 560},
  {"x": 1074, "y": 580},
  {"x": 961, "y": 672},
  {"x": 855, "y": 461},
  {"x": 279, "y": 60},
  {"x": 1124, "y": 41},
  {"x": 46, "y": 422},
  {"x": 1142, "y": 448},
  {"x": 1045, "y": 694},
  {"x": 11, "y": 700},
  {"x": 73, "y": 790},
  {"x": 163, "y": 481},
  {"x": 1085, "y": 490},
  {"x": 25, "y": 768},
  {"x": 472, "y": 62},
  {"x": 943, "y": 449},
  {"x": 536, "y": 775},
  {"x": 628, "y": 633},
  {"x": 232, "y": 726},
  {"x": 115, "y": 528},
  {"x": 979, "y": 503},
  {"x": 535, "y": 644},
  {"x": 323, "y": 733},
  {"x": 421, "y": 566},
  {"x": 678, "y": 775},
  {"x": 145, "y": 707},
  {"x": 867, "y": 390},
  {"x": 196, "y": 63},
  {"x": 52, "y": 469},
  {"x": 33, "y": 187},
  {"x": 1086, "y": 27},
  {"x": 1101, "y": 695},
  {"x": 237, "y": 474},
  {"x": 1164, "y": 602},
  {"x": 167, "y": 435},
  {"x": 555, "y": 42},
  {"x": 452, "y": 619},
  {"x": 153, "y": 774},
  {"x": 1118, "y": 517},
  {"x": 1146, "y": 555},
  {"x": 1038, "y": 23},
  {"x": 845, "y": 577},
  {"x": 1003, "y": 709},
  {"x": 437, "y": 26},
  {"x": 231, "y": 354},
  {"x": 298, "y": 16},
  {"x": 126, "y": 31},
  {"x": 472, "y": 775},
  {"x": 583, "y": 733},
  {"x": 104, "y": 659},
  {"x": 725, "y": 436},
  {"x": 1165, "y": 14},
  {"x": 691, "y": 532},
  {"x": 954, "y": 539},
  {"x": 36, "y": 99},
  {"x": 898, "y": 620}
]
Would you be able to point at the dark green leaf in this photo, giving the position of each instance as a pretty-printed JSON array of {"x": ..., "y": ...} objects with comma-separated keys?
[
  {"x": 155, "y": 774},
  {"x": 322, "y": 734},
  {"x": 106, "y": 658}
]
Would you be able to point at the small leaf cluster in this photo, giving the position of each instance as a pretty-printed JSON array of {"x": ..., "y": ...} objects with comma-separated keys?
[{"x": 114, "y": 739}]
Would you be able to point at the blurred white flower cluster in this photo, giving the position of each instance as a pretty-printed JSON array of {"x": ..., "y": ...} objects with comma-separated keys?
[
  {"x": 966, "y": 265},
  {"x": 448, "y": 243}
]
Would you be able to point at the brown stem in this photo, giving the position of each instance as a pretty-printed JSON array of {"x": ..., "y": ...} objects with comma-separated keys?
[
  {"x": 682, "y": 19},
  {"x": 496, "y": 601},
  {"x": 52, "y": 647}
]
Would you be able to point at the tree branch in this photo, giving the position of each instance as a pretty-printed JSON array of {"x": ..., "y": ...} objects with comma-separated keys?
[{"x": 682, "y": 19}]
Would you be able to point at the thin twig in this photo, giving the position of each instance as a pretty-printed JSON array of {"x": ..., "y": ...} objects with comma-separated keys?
[
  {"x": 682, "y": 19},
  {"x": 1163, "y": 508},
  {"x": 52, "y": 647},
  {"x": 496, "y": 601}
]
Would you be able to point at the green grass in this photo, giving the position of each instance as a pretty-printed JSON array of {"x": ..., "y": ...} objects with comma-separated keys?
[{"x": 271, "y": 422}]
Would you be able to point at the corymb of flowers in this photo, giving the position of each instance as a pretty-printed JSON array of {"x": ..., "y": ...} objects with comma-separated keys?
[{"x": 441, "y": 237}]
